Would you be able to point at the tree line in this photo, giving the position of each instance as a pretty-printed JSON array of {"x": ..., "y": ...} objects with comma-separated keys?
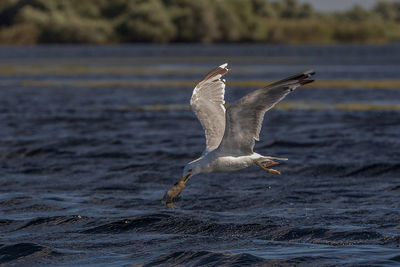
[{"x": 200, "y": 21}]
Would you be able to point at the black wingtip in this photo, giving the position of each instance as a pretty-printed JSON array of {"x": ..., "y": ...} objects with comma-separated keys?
[
  {"x": 220, "y": 70},
  {"x": 309, "y": 73},
  {"x": 306, "y": 79},
  {"x": 301, "y": 78},
  {"x": 303, "y": 82}
]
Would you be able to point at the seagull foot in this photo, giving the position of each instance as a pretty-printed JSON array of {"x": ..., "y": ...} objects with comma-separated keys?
[
  {"x": 173, "y": 192},
  {"x": 273, "y": 171},
  {"x": 269, "y": 163}
]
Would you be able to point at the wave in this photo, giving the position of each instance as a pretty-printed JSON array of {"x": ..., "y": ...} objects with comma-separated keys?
[
  {"x": 396, "y": 258},
  {"x": 376, "y": 169},
  {"x": 187, "y": 225},
  {"x": 328, "y": 236},
  {"x": 52, "y": 221},
  {"x": 110, "y": 154},
  {"x": 25, "y": 251},
  {"x": 168, "y": 154},
  {"x": 207, "y": 258},
  {"x": 29, "y": 152},
  {"x": 294, "y": 144},
  {"x": 344, "y": 170},
  {"x": 143, "y": 222}
]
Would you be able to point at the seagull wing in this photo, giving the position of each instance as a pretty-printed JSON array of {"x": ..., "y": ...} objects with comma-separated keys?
[
  {"x": 244, "y": 118},
  {"x": 207, "y": 103}
]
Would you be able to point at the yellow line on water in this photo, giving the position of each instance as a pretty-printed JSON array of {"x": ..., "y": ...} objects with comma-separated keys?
[
  {"x": 65, "y": 69},
  {"x": 68, "y": 70},
  {"x": 158, "y": 60},
  {"x": 349, "y": 106},
  {"x": 370, "y": 84},
  {"x": 373, "y": 84},
  {"x": 287, "y": 105}
]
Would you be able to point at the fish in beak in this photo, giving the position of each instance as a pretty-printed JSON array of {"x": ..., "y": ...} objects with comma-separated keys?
[{"x": 174, "y": 191}]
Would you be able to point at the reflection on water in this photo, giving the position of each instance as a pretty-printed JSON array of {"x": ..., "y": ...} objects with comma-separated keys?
[{"x": 91, "y": 137}]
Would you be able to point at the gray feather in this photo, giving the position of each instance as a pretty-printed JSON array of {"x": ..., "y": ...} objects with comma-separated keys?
[
  {"x": 244, "y": 118},
  {"x": 207, "y": 103}
]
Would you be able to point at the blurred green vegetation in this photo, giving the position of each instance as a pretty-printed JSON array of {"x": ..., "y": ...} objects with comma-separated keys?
[{"x": 203, "y": 21}]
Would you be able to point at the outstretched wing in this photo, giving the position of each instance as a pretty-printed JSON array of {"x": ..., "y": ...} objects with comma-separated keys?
[
  {"x": 207, "y": 102},
  {"x": 244, "y": 118}
]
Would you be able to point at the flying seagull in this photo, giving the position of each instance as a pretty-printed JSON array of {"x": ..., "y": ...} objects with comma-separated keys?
[{"x": 232, "y": 132}]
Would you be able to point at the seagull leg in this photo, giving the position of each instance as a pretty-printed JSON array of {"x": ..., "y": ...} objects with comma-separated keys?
[
  {"x": 266, "y": 164},
  {"x": 269, "y": 163},
  {"x": 174, "y": 191}
]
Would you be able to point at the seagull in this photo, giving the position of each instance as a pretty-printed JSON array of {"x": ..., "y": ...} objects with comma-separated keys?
[{"x": 231, "y": 132}]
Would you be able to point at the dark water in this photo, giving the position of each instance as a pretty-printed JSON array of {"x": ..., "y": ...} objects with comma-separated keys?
[{"x": 88, "y": 147}]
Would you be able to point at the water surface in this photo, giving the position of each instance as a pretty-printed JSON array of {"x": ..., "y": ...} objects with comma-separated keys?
[{"x": 91, "y": 137}]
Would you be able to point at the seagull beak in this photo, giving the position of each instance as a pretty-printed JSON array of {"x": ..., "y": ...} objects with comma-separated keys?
[{"x": 185, "y": 178}]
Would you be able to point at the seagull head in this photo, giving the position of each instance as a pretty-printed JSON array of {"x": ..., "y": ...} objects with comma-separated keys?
[{"x": 191, "y": 169}]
